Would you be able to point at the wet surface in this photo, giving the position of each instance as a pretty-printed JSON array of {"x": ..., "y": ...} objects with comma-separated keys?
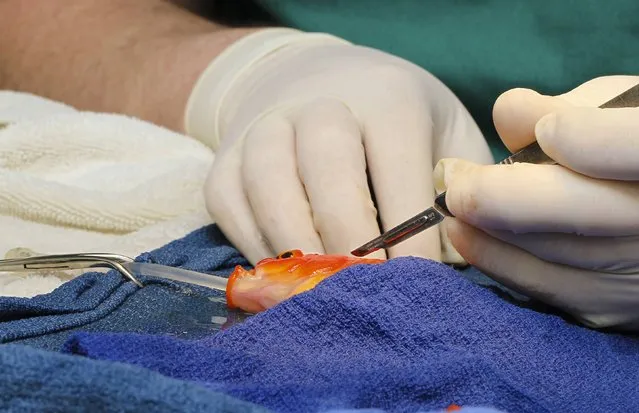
[{"x": 175, "y": 309}]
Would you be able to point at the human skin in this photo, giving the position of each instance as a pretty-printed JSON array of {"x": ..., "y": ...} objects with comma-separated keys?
[{"x": 140, "y": 58}]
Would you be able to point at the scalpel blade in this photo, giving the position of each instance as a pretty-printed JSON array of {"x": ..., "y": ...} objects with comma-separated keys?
[
  {"x": 405, "y": 230},
  {"x": 434, "y": 215}
]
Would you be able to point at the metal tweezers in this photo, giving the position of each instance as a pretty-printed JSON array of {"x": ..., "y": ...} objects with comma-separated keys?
[
  {"x": 436, "y": 214},
  {"x": 123, "y": 264},
  {"x": 70, "y": 262}
]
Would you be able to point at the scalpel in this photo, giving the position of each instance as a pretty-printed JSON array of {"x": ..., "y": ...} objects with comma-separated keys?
[{"x": 436, "y": 214}]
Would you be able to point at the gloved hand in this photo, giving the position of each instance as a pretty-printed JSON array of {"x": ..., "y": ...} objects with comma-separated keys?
[
  {"x": 565, "y": 234},
  {"x": 300, "y": 119}
]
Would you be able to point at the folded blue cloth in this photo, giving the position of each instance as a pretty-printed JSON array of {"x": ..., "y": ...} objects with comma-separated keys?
[
  {"x": 462, "y": 410},
  {"x": 107, "y": 302},
  {"x": 403, "y": 336},
  {"x": 34, "y": 380}
]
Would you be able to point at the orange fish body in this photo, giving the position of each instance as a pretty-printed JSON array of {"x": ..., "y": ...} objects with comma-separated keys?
[{"x": 274, "y": 280}]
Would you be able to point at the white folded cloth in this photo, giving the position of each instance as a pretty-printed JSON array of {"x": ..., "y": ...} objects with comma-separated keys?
[{"x": 74, "y": 181}]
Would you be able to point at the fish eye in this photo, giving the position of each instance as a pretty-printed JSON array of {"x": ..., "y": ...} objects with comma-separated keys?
[{"x": 287, "y": 254}]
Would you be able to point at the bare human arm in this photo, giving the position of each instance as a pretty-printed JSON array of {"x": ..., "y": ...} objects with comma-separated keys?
[{"x": 139, "y": 58}]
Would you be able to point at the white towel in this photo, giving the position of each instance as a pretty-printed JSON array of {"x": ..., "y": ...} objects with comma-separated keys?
[{"x": 73, "y": 181}]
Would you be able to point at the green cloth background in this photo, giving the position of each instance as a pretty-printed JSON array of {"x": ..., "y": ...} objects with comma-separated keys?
[{"x": 481, "y": 48}]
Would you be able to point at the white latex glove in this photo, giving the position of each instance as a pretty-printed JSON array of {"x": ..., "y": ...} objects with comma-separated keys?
[
  {"x": 300, "y": 118},
  {"x": 565, "y": 234}
]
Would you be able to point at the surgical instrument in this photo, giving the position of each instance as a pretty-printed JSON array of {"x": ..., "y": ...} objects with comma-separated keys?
[
  {"x": 436, "y": 214},
  {"x": 123, "y": 264}
]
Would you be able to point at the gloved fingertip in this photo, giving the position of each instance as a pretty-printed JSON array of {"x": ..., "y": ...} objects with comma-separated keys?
[
  {"x": 448, "y": 169},
  {"x": 439, "y": 173},
  {"x": 449, "y": 254},
  {"x": 513, "y": 97},
  {"x": 545, "y": 128},
  {"x": 510, "y": 114},
  {"x": 454, "y": 234},
  {"x": 469, "y": 242},
  {"x": 516, "y": 113},
  {"x": 449, "y": 225}
]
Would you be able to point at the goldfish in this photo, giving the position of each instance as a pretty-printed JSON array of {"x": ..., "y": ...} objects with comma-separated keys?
[{"x": 274, "y": 280}]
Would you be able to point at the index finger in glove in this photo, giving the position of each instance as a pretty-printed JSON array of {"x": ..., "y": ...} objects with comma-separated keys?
[
  {"x": 399, "y": 142},
  {"x": 601, "y": 143},
  {"x": 274, "y": 188},
  {"x": 517, "y": 111},
  {"x": 230, "y": 209},
  {"x": 332, "y": 166},
  {"x": 539, "y": 198}
]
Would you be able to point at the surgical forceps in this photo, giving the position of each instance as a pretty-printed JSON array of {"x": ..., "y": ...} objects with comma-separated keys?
[
  {"x": 436, "y": 214},
  {"x": 123, "y": 264}
]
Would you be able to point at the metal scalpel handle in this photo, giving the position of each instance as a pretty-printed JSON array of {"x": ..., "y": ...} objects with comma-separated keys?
[
  {"x": 533, "y": 152},
  {"x": 436, "y": 214},
  {"x": 529, "y": 154}
]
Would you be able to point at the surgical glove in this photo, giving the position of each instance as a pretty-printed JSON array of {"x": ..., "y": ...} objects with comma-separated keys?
[
  {"x": 301, "y": 121},
  {"x": 565, "y": 234}
]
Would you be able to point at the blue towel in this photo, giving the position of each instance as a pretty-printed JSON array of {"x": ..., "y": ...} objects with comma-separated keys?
[
  {"x": 34, "y": 380},
  {"x": 107, "y": 302},
  {"x": 403, "y": 336}
]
